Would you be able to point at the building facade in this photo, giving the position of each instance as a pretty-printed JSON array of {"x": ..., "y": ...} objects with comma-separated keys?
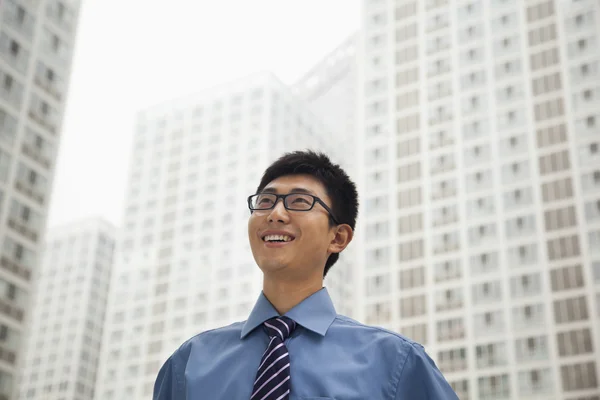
[
  {"x": 36, "y": 43},
  {"x": 184, "y": 263},
  {"x": 481, "y": 219},
  {"x": 329, "y": 89},
  {"x": 65, "y": 334}
]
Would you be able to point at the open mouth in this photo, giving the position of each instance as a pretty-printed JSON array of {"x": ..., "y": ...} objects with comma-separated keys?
[{"x": 277, "y": 238}]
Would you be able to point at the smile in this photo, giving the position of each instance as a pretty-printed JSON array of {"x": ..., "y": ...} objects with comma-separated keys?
[{"x": 277, "y": 238}]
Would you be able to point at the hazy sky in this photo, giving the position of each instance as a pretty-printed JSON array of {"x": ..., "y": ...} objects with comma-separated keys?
[{"x": 134, "y": 53}]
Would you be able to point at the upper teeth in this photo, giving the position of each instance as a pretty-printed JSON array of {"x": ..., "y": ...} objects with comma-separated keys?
[{"x": 285, "y": 238}]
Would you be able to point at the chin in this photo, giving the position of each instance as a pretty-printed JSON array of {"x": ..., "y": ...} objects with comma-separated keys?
[{"x": 272, "y": 265}]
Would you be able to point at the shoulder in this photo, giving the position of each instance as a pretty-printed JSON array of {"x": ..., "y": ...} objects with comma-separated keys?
[
  {"x": 208, "y": 339},
  {"x": 374, "y": 332}
]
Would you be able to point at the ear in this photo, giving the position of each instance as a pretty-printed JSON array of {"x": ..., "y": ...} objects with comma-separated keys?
[{"x": 343, "y": 237}]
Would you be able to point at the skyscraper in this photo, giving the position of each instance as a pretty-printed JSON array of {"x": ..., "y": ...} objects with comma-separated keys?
[
  {"x": 481, "y": 189},
  {"x": 65, "y": 333},
  {"x": 184, "y": 264},
  {"x": 329, "y": 89},
  {"x": 36, "y": 43}
]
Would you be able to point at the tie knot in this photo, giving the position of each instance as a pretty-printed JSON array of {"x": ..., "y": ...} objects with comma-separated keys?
[{"x": 281, "y": 327}]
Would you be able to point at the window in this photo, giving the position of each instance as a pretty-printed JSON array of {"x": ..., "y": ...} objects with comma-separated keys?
[
  {"x": 554, "y": 162},
  {"x": 542, "y": 35},
  {"x": 549, "y": 109},
  {"x": 410, "y": 250},
  {"x": 579, "y": 376},
  {"x": 449, "y": 270},
  {"x": 487, "y": 292},
  {"x": 540, "y": 11},
  {"x": 452, "y": 360},
  {"x": 592, "y": 210},
  {"x": 491, "y": 355},
  {"x": 570, "y": 310},
  {"x": 574, "y": 342},
  {"x": 489, "y": 323},
  {"x": 450, "y": 329},
  {"x": 448, "y": 299},
  {"x": 417, "y": 332},
  {"x": 405, "y": 10},
  {"x": 481, "y": 234},
  {"x": 483, "y": 263},
  {"x": 409, "y": 198},
  {"x": 407, "y": 124},
  {"x": 560, "y": 218},
  {"x": 413, "y": 306},
  {"x": 525, "y": 285},
  {"x": 528, "y": 317},
  {"x": 480, "y": 207},
  {"x": 551, "y": 135},
  {"x": 408, "y": 147},
  {"x": 533, "y": 348},
  {"x": 544, "y": 59},
  {"x": 479, "y": 180},
  {"x": 557, "y": 190},
  {"x": 410, "y": 224},
  {"x": 412, "y": 278},
  {"x": 443, "y": 189},
  {"x": 535, "y": 382},
  {"x": 378, "y": 285},
  {"x": 563, "y": 247}
]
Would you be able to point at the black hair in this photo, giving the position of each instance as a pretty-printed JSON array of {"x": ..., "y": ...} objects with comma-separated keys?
[{"x": 340, "y": 188}]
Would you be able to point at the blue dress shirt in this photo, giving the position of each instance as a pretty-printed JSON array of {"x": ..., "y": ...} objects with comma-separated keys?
[{"x": 332, "y": 357}]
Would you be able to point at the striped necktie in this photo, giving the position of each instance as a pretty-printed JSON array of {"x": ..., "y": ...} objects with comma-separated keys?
[{"x": 273, "y": 376}]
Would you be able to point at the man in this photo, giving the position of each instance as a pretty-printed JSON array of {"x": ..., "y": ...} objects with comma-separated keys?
[{"x": 294, "y": 345}]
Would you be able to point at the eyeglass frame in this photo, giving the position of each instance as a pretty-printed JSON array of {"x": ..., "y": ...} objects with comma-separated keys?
[{"x": 316, "y": 199}]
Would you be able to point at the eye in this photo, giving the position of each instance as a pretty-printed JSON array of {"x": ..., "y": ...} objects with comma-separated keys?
[
  {"x": 264, "y": 200},
  {"x": 300, "y": 200}
]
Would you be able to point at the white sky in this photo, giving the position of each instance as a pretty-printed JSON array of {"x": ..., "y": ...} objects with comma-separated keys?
[{"x": 131, "y": 54}]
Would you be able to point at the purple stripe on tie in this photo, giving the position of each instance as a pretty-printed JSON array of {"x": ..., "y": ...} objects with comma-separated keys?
[
  {"x": 286, "y": 326},
  {"x": 267, "y": 357},
  {"x": 273, "y": 363},
  {"x": 276, "y": 387},
  {"x": 271, "y": 378},
  {"x": 273, "y": 327},
  {"x": 283, "y": 395}
]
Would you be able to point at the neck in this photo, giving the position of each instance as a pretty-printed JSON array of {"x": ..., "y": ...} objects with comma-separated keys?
[{"x": 285, "y": 295}]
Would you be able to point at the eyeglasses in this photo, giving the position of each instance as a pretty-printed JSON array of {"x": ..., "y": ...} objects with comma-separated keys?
[{"x": 291, "y": 201}]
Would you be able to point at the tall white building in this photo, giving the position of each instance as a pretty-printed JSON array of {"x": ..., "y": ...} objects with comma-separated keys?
[
  {"x": 65, "y": 334},
  {"x": 36, "y": 42},
  {"x": 481, "y": 189},
  {"x": 184, "y": 263},
  {"x": 330, "y": 90}
]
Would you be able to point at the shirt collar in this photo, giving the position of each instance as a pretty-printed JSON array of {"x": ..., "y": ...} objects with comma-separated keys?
[{"x": 315, "y": 313}]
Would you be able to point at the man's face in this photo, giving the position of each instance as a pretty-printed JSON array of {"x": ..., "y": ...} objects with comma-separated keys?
[{"x": 310, "y": 231}]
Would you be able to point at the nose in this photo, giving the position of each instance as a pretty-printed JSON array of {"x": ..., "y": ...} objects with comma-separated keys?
[{"x": 279, "y": 213}]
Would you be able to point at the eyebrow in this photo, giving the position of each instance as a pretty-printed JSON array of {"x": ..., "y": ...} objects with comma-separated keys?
[{"x": 294, "y": 190}]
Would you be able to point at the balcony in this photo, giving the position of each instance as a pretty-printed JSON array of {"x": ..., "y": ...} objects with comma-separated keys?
[
  {"x": 15, "y": 268},
  {"x": 451, "y": 334},
  {"x": 449, "y": 304},
  {"x": 50, "y": 87},
  {"x": 44, "y": 121},
  {"x": 7, "y": 356},
  {"x": 30, "y": 191},
  {"x": 443, "y": 193},
  {"x": 36, "y": 155},
  {"x": 10, "y": 310},
  {"x": 446, "y": 219},
  {"x": 447, "y": 366},
  {"x": 60, "y": 15},
  {"x": 24, "y": 230},
  {"x": 18, "y": 18}
]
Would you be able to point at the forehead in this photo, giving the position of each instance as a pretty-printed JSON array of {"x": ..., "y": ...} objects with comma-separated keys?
[{"x": 287, "y": 184}]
